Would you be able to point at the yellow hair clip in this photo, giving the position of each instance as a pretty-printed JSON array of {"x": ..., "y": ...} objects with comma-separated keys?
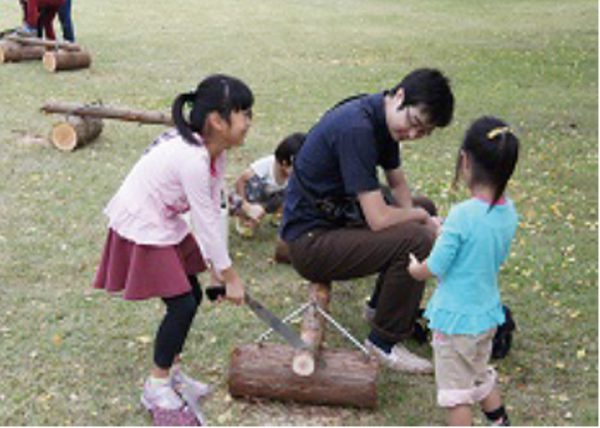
[{"x": 497, "y": 131}]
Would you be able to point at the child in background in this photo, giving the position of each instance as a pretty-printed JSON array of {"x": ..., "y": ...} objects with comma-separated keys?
[
  {"x": 465, "y": 308},
  {"x": 39, "y": 17},
  {"x": 150, "y": 251},
  {"x": 259, "y": 190}
]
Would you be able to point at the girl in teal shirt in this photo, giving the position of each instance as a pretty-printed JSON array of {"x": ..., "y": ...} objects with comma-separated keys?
[{"x": 465, "y": 308}]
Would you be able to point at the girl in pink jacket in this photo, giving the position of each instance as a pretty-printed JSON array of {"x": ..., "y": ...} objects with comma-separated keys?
[{"x": 150, "y": 251}]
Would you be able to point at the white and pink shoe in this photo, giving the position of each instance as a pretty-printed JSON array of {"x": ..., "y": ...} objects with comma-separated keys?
[
  {"x": 166, "y": 406},
  {"x": 197, "y": 390}
]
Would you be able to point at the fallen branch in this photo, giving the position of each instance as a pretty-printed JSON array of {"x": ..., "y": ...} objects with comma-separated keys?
[
  {"x": 34, "y": 41},
  {"x": 8, "y": 31},
  {"x": 106, "y": 112}
]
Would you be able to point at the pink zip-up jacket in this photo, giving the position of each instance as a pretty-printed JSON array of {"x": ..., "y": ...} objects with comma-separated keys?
[{"x": 172, "y": 178}]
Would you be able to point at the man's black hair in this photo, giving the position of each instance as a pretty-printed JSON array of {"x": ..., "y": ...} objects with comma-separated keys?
[
  {"x": 430, "y": 88},
  {"x": 288, "y": 147}
]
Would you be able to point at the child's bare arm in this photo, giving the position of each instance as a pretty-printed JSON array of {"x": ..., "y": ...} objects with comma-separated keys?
[
  {"x": 253, "y": 211},
  {"x": 418, "y": 270},
  {"x": 240, "y": 183}
]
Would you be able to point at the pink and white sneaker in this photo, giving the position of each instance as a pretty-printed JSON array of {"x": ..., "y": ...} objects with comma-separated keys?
[
  {"x": 166, "y": 406},
  {"x": 197, "y": 390}
]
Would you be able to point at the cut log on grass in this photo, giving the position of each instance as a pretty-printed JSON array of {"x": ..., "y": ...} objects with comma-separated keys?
[
  {"x": 66, "y": 60},
  {"x": 312, "y": 330},
  {"x": 344, "y": 378},
  {"x": 106, "y": 112},
  {"x": 14, "y": 52},
  {"x": 35, "y": 41},
  {"x": 75, "y": 131},
  {"x": 7, "y": 32}
]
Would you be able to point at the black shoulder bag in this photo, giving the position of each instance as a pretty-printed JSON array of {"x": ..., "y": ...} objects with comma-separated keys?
[{"x": 340, "y": 210}]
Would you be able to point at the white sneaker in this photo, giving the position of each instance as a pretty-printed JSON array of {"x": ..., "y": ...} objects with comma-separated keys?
[
  {"x": 400, "y": 359},
  {"x": 368, "y": 313},
  {"x": 160, "y": 396},
  {"x": 197, "y": 390}
]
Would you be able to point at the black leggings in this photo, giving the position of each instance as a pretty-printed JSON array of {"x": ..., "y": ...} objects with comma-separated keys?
[{"x": 174, "y": 328}]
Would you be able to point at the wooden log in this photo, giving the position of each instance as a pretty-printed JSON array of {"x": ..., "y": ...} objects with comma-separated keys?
[
  {"x": 7, "y": 32},
  {"x": 66, "y": 60},
  {"x": 106, "y": 112},
  {"x": 344, "y": 378},
  {"x": 74, "y": 132},
  {"x": 14, "y": 52},
  {"x": 35, "y": 41},
  {"x": 312, "y": 330}
]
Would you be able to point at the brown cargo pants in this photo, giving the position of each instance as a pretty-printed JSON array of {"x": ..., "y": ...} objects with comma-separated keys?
[{"x": 341, "y": 254}]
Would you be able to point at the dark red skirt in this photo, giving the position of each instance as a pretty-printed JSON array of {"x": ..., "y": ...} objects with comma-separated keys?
[{"x": 144, "y": 271}]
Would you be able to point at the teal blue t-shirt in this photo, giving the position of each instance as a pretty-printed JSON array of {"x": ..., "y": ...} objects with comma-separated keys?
[{"x": 466, "y": 259}]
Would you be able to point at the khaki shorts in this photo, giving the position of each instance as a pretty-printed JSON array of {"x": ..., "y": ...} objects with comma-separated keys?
[{"x": 462, "y": 373}]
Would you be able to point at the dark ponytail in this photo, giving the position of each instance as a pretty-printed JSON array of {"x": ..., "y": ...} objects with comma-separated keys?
[
  {"x": 508, "y": 155},
  {"x": 220, "y": 93},
  {"x": 493, "y": 149}
]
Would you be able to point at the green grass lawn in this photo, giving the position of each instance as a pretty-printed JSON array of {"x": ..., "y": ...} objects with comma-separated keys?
[{"x": 73, "y": 356}]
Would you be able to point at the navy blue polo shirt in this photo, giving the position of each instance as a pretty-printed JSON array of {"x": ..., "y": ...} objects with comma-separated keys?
[{"x": 339, "y": 157}]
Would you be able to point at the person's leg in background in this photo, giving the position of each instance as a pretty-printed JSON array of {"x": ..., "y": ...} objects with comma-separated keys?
[
  {"x": 31, "y": 17},
  {"x": 47, "y": 15},
  {"x": 23, "y": 4},
  {"x": 66, "y": 21}
]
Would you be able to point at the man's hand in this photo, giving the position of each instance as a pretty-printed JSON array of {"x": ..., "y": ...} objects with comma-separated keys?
[
  {"x": 255, "y": 212},
  {"x": 434, "y": 224},
  {"x": 418, "y": 270}
]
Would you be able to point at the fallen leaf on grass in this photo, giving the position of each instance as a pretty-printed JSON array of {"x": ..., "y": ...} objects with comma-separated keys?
[
  {"x": 44, "y": 397},
  {"x": 57, "y": 339},
  {"x": 580, "y": 354},
  {"x": 35, "y": 140},
  {"x": 144, "y": 340},
  {"x": 224, "y": 417},
  {"x": 555, "y": 210}
]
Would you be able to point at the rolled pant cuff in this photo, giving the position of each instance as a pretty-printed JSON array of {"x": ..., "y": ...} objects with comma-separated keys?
[{"x": 390, "y": 337}]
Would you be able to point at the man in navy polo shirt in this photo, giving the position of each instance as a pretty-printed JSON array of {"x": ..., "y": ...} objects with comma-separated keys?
[{"x": 338, "y": 162}]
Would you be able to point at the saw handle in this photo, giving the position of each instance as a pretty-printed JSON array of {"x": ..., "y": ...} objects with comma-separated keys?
[{"x": 213, "y": 292}]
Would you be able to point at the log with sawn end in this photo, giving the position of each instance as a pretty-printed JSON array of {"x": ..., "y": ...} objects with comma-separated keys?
[
  {"x": 343, "y": 378},
  {"x": 312, "y": 330},
  {"x": 59, "y": 60},
  {"x": 75, "y": 131},
  {"x": 15, "y": 52}
]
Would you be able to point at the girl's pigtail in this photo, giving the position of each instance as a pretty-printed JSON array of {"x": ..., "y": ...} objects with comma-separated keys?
[
  {"x": 184, "y": 126},
  {"x": 457, "y": 169}
]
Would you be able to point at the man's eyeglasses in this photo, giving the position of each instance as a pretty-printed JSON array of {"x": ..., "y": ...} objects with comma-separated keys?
[{"x": 417, "y": 124}]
